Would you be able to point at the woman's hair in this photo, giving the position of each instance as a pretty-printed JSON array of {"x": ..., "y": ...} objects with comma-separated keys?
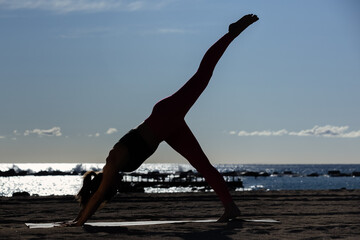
[{"x": 91, "y": 184}]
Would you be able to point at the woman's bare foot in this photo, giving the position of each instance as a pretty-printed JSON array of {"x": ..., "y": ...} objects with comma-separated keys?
[
  {"x": 231, "y": 212},
  {"x": 237, "y": 27}
]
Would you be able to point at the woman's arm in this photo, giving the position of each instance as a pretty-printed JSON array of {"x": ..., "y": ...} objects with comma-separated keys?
[
  {"x": 115, "y": 160},
  {"x": 109, "y": 177}
]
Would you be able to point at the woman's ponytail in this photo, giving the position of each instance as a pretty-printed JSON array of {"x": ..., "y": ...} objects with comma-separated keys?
[{"x": 91, "y": 183}]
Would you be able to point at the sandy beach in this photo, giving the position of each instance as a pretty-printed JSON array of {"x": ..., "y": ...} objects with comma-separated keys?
[{"x": 303, "y": 215}]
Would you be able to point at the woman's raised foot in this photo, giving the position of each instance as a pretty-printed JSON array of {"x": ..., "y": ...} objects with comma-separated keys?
[{"x": 237, "y": 27}]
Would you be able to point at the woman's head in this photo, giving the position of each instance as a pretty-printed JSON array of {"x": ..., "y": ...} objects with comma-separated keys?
[{"x": 91, "y": 184}]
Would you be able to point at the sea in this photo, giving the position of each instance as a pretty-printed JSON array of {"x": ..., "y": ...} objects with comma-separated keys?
[{"x": 277, "y": 177}]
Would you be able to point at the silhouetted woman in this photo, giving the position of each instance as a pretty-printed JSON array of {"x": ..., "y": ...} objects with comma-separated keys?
[{"x": 166, "y": 123}]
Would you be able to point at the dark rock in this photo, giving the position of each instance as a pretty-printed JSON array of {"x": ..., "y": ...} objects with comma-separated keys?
[
  {"x": 21, "y": 194},
  {"x": 313, "y": 175}
]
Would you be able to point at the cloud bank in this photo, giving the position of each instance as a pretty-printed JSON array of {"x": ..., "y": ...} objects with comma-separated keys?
[
  {"x": 52, "y": 132},
  {"x": 55, "y": 131},
  {"x": 316, "y": 131},
  {"x": 67, "y": 6},
  {"x": 260, "y": 133}
]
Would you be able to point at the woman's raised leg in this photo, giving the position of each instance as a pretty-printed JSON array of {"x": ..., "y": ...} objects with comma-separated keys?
[
  {"x": 187, "y": 95},
  {"x": 167, "y": 112}
]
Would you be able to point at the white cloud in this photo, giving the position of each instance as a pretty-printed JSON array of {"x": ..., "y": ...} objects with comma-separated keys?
[
  {"x": 67, "y": 6},
  {"x": 2, "y": 137},
  {"x": 353, "y": 134},
  {"x": 280, "y": 132},
  {"x": 318, "y": 131},
  {"x": 262, "y": 133},
  {"x": 324, "y": 131},
  {"x": 136, "y": 5},
  {"x": 111, "y": 131},
  {"x": 16, "y": 133},
  {"x": 55, "y": 131},
  {"x": 94, "y": 135}
]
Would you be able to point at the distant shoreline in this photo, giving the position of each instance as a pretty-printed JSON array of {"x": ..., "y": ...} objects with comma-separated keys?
[{"x": 225, "y": 169}]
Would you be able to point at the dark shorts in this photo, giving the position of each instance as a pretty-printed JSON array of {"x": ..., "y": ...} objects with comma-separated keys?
[{"x": 138, "y": 149}]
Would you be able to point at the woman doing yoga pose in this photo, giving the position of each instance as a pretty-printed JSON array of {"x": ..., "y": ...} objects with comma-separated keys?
[{"x": 166, "y": 123}]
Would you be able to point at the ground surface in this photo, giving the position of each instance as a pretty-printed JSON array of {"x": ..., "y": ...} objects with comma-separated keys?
[{"x": 303, "y": 215}]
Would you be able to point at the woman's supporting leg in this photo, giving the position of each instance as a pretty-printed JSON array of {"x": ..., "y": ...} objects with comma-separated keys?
[{"x": 184, "y": 142}]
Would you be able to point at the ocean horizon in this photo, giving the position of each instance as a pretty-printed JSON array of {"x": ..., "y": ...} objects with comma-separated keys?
[{"x": 254, "y": 177}]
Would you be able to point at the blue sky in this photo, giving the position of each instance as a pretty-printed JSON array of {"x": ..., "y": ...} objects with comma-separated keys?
[{"x": 77, "y": 75}]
